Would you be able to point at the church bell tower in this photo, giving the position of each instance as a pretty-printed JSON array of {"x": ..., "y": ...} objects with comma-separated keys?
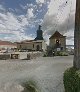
[{"x": 39, "y": 34}]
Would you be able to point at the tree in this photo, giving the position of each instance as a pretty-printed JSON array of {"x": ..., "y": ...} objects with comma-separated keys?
[{"x": 76, "y": 62}]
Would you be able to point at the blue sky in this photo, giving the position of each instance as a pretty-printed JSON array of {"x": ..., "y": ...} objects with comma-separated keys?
[{"x": 19, "y": 19}]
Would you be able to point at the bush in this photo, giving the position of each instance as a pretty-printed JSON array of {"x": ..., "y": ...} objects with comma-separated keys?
[
  {"x": 30, "y": 86},
  {"x": 71, "y": 80},
  {"x": 64, "y": 53},
  {"x": 44, "y": 55},
  {"x": 61, "y": 53}
]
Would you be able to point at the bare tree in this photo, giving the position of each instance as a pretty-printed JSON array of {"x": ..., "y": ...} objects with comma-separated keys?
[{"x": 76, "y": 62}]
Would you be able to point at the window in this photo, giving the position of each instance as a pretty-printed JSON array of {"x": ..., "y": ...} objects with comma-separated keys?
[
  {"x": 33, "y": 45},
  {"x": 57, "y": 42},
  {"x": 61, "y": 48},
  {"x": 20, "y": 46}
]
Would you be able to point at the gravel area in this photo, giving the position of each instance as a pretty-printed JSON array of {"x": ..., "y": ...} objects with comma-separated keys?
[{"x": 47, "y": 71}]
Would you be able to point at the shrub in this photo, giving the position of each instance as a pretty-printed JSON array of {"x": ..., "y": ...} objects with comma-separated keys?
[
  {"x": 45, "y": 55},
  {"x": 71, "y": 80},
  {"x": 30, "y": 86},
  {"x": 61, "y": 53}
]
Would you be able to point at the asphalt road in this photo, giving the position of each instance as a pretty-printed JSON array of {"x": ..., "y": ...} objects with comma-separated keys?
[{"x": 47, "y": 71}]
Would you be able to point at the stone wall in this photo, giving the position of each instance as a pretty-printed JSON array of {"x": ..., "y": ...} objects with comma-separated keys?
[
  {"x": 4, "y": 56},
  {"x": 27, "y": 55},
  {"x": 21, "y": 55}
]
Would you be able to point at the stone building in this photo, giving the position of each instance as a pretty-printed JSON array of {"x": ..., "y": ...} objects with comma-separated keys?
[
  {"x": 38, "y": 44},
  {"x": 57, "y": 42}
]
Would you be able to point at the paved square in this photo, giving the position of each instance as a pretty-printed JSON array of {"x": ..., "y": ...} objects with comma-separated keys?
[{"x": 47, "y": 71}]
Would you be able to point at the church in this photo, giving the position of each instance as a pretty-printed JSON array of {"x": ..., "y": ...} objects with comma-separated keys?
[
  {"x": 38, "y": 44},
  {"x": 57, "y": 42}
]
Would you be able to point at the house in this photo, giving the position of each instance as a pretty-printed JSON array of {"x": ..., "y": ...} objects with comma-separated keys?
[
  {"x": 57, "y": 42},
  {"x": 7, "y": 45},
  {"x": 38, "y": 44},
  {"x": 32, "y": 45}
]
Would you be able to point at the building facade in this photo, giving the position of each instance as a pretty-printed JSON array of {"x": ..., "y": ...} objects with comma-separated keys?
[
  {"x": 38, "y": 44},
  {"x": 57, "y": 42},
  {"x": 7, "y": 46}
]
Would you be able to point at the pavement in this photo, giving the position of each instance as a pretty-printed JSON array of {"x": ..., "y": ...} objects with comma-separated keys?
[{"x": 46, "y": 71}]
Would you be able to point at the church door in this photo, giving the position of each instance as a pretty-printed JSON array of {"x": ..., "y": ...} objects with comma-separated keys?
[{"x": 38, "y": 48}]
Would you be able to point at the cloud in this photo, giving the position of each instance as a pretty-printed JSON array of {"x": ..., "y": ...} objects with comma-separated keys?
[
  {"x": 27, "y": 6},
  {"x": 40, "y": 1},
  {"x": 15, "y": 24},
  {"x": 2, "y": 9},
  {"x": 14, "y": 38},
  {"x": 60, "y": 16},
  {"x": 30, "y": 13}
]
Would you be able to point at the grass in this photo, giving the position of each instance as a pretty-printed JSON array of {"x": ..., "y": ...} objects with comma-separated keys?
[{"x": 30, "y": 86}]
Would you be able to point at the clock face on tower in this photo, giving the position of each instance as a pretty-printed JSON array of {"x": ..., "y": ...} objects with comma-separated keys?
[{"x": 57, "y": 42}]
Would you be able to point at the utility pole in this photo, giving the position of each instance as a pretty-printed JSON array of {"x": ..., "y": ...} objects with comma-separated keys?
[{"x": 76, "y": 62}]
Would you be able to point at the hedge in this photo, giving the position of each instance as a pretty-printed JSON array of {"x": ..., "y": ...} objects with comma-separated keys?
[
  {"x": 71, "y": 80},
  {"x": 61, "y": 53}
]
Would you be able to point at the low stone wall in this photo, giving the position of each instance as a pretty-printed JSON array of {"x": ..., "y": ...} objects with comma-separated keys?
[
  {"x": 14, "y": 56},
  {"x": 4, "y": 56},
  {"x": 27, "y": 55},
  {"x": 21, "y": 55},
  {"x": 35, "y": 55}
]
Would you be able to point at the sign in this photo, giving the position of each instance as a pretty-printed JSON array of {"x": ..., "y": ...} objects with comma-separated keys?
[{"x": 58, "y": 49}]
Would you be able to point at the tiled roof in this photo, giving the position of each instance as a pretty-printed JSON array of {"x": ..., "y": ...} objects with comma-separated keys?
[
  {"x": 56, "y": 34},
  {"x": 29, "y": 41},
  {"x": 7, "y": 43},
  {"x": 25, "y": 41}
]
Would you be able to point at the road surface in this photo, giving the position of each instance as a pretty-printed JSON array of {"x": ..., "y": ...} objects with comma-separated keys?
[{"x": 47, "y": 71}]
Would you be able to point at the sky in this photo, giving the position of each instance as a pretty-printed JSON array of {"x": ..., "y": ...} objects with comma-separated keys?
[{"x": 19, "y": 19}]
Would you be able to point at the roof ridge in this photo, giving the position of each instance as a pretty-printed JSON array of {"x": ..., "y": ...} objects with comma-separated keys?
[{"x": 56, "y": 34}]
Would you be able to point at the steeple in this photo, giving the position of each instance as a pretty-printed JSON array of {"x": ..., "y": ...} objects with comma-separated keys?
[
  {"x": 39, "y": 34},
  {"x": 39, "y": 27}
]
